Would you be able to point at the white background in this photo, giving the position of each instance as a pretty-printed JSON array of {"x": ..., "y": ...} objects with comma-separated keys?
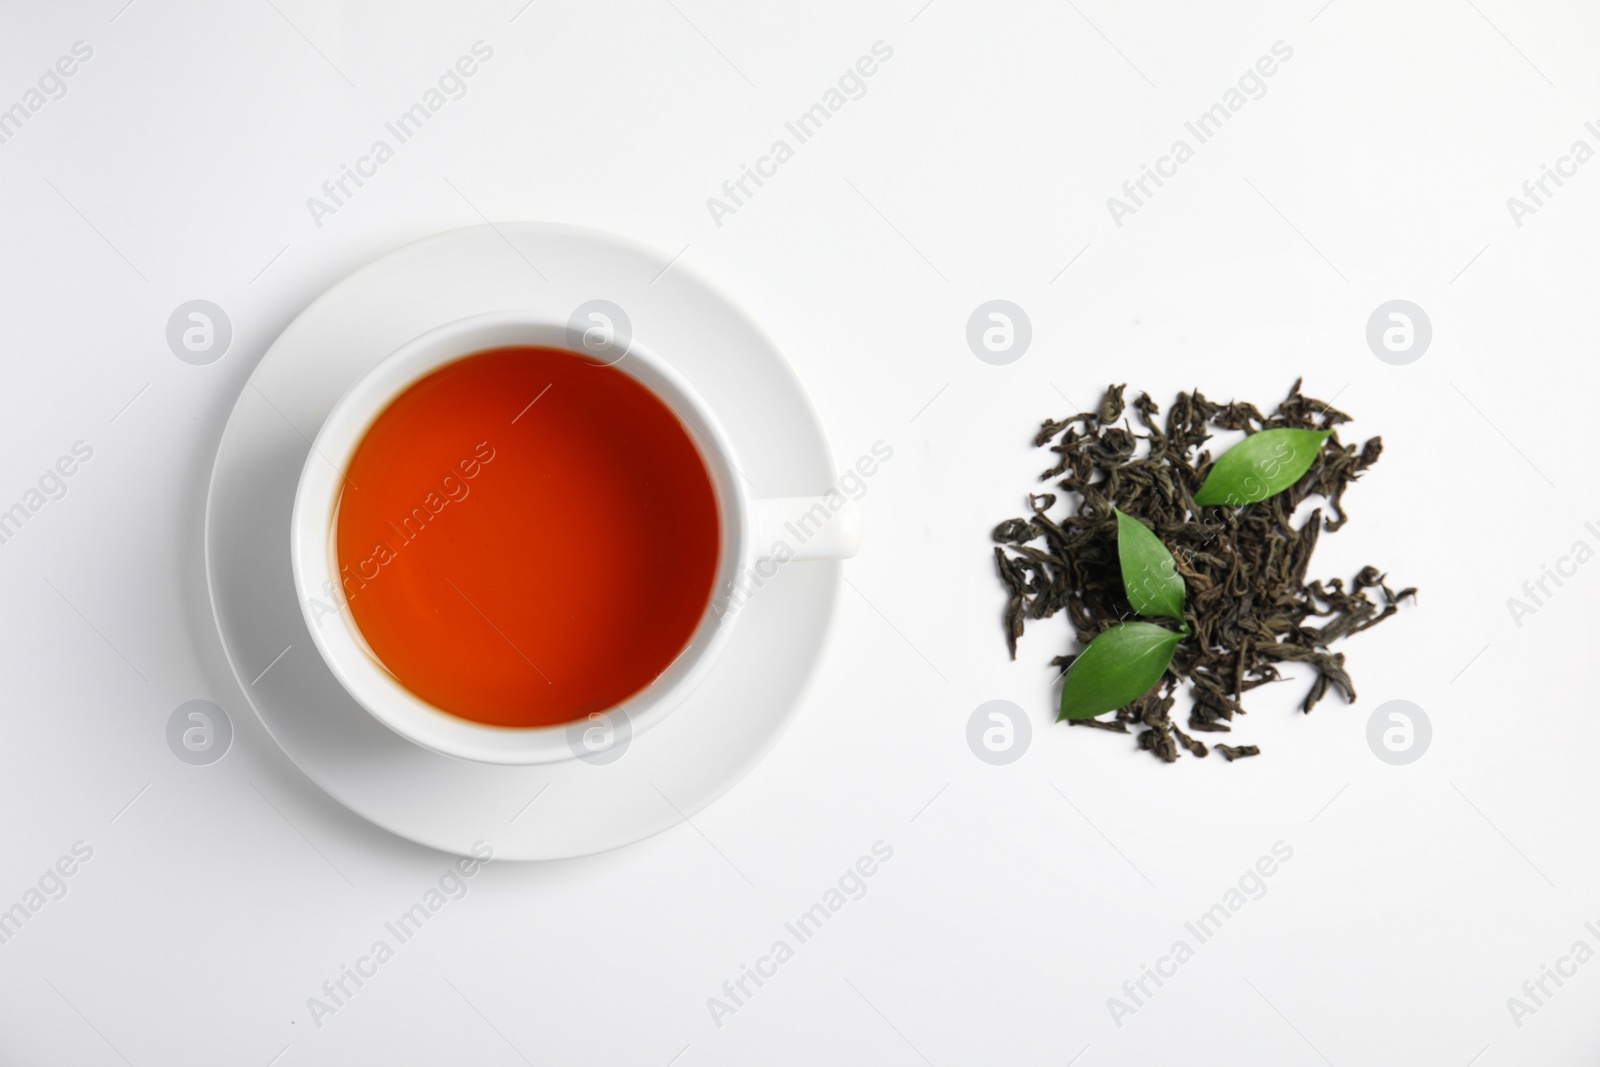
[{"x": 1377, "y": 166}]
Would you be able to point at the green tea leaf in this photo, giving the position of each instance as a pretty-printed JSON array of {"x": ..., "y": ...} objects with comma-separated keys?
[
  {"x": 1261, "y": 465},
  {"x": 1118, "y": 666},
  {"x": 1149, "y": 573}
]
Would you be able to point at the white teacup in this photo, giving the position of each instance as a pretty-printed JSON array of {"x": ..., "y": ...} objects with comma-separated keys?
[{"x": 750, "y": 531}]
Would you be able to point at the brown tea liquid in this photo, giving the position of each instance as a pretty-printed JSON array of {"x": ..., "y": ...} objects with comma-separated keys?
[{"x": 525, "y": 537}]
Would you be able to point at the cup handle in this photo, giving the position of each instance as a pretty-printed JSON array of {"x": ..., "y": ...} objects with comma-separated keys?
[{"x": 806, "y": 527}]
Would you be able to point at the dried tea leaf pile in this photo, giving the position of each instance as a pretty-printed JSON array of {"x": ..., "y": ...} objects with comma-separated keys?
[{"x": 1249, "y": 606}]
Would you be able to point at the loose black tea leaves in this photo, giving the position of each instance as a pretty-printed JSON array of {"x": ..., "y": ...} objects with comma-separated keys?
[{"x": 1153, "y": 528}]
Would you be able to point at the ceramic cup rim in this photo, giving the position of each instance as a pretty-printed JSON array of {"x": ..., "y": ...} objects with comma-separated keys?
[{"x": 327, "y": 615}]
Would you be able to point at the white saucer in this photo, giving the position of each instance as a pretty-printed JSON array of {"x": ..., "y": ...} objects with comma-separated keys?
[{"x": 667, "y": 773}]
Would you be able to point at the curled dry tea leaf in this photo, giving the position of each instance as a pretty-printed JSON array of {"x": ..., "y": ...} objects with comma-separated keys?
[
  {"x": 1119, "y": 666},
  {"x": 1261, "y": 465},
  {"x": 1149, "y": 573}
]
